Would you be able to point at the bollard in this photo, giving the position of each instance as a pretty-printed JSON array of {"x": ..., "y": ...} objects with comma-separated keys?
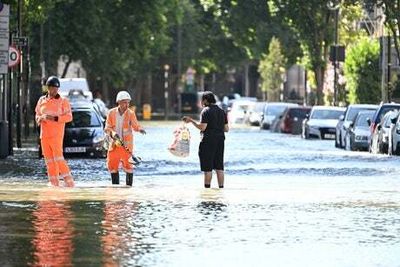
[
  {"x": 4, "y": 144},
  {"x": 147, "y": 112}
]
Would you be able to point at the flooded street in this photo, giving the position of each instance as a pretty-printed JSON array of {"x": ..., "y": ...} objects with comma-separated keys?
[{"x": 287, "y": 202}]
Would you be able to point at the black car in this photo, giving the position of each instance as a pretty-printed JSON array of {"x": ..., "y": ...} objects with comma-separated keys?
[{"x": 85, "y": 133}]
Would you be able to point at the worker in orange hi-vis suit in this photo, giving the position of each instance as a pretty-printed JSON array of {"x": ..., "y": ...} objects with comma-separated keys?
[
  {"x": 52, "y": 112},
  {"x": 120, "y": 124}
]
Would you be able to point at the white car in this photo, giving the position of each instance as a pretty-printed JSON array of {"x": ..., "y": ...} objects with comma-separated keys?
[
  {"x": 322, "y": 122},
  {"x": 72, "y": 87},
  {"x": 254, "y": 114},
  {"x": 238, "y": 110}
]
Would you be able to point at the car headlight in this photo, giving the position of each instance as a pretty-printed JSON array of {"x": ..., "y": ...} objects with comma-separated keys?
[
  {"x": 98, "y": 138},
  {"x": 361, "y": 138}
]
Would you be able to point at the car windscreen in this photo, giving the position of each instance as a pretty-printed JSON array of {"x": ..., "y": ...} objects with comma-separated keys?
[
  {"x": 385, "y": 110},
  {"x": 275, "y": 110},
  {"x": 84, "y": 118},
  {"x": 259, "y": 107},
  {"x": 298, "y": 112},
  {"x": 362, "y": 120},
  {"x": 352, "y": 113},
  {"x": 326, "y": 114}
]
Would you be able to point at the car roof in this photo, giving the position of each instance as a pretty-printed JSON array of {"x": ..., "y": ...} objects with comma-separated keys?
[
  {"x": 366, "y": 112},
  {"x": 81, "y": 103},
  {"x": 328, "y": 108},
  {"x": 363, "y": 106}
]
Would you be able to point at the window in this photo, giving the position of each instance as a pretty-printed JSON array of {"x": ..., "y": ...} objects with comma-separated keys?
[{"x": 84, "y": 118}]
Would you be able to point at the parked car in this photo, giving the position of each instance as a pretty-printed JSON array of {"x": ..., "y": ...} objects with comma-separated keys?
[
  {"x": 357, "y": 135},
  {"x": 380, "y": 136},
  {"x": 394, "y": 138},
  {"x": 321, "y": 123},
  {"x": 85, "y": 133},
  {"x": 292, "y": 119},
  {"x": 376, "y": 119},
  {"x": 75, "y": 84},
  {"x": 348, "y": 117},
  {"x": 254, "y": 113},
  {"x": 238, "y": 110},
  {"x": 273, "y": 110}
]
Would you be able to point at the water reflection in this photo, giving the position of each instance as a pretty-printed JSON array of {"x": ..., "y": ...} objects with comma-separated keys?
[
  {"x": 118, "y": 231},
  {"x": 53, "y": 239}
]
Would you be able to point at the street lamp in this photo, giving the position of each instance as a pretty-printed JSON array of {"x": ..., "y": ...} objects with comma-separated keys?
[
  {"x": 334, "y": 5},
  {"x": 166, "y": 69}
]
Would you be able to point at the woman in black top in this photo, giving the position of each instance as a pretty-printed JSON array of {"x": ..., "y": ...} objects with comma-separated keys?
[{"x": 213, "y": 125}]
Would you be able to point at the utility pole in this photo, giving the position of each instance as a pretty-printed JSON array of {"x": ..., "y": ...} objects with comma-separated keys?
[
  {"x": 334, "y": 5},
  {"x": 389, "y": 64},
  {"x": 166, "y": 93},
  {"x": 18, "y": 72}
]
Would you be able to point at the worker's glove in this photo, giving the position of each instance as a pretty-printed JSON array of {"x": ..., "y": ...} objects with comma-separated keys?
[{"x": 117, "y": 140}]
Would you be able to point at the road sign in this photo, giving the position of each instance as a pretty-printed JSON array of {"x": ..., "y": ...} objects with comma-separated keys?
[
  {"x": 20, "y": 41},
  {"x": 14, "y": 57}
]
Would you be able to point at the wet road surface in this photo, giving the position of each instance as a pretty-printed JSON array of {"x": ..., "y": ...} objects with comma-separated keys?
[{"x": 287, "y": 202}]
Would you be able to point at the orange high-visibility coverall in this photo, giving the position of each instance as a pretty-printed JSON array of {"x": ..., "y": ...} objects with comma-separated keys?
[
  {"x": 117, "y": 154},
  {"x": 52, "y": 135}
]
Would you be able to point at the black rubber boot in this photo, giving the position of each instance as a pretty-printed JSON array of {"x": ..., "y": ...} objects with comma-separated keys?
[
  {"x": 129, "y": 179},
  {"x": 115, "y": 178}
]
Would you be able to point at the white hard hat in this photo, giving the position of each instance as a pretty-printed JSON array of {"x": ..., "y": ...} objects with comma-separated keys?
[{"x": 123, "y": 95}]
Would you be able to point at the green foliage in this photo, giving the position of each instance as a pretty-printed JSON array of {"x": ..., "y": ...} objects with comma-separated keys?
[
  {"x": 362, "y": 72},
  {"x": 271, "y": 69}
]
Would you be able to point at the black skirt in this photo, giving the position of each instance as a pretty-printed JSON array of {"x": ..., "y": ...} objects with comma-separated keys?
[{"x": 211, "y": 153}]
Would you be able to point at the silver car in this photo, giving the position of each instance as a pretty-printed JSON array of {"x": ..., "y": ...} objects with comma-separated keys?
[
  {"x": 358, "y": 133},
  {"x": 348, "y": 117}
]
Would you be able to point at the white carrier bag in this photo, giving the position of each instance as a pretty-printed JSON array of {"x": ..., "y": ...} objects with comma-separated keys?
[{"x": 180, "y": 146}]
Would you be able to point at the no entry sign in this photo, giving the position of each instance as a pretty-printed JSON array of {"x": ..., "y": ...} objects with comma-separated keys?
[{"x": 14, "y": 56}]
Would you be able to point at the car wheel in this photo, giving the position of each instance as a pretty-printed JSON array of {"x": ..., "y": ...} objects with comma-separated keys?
[
  {"x": 40, "y": 153},
  {"x": 336, "y": 142},
  {"x": 373, "y": 148},
  {"x": 347, "y": 143}
]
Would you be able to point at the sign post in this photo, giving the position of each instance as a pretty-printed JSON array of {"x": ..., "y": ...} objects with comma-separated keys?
[{"x": 4, "y": 37}]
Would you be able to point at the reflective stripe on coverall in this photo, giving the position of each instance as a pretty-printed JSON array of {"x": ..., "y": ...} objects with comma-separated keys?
[
  {"x": 116, "y": 154},
  {"x": 52, "y": 134}
]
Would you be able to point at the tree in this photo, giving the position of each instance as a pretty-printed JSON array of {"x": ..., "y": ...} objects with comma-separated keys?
[
  {"x": 315, "y": 32},
  {"x": 271, "y": 69},
  {"x": 391, "y": 9},
  {"x": 362, "y": 72}
]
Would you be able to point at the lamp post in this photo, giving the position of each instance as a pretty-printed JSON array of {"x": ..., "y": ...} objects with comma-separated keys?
[
  {"x": 166, "y": 69},
  {"x": 334, "y": 5}
]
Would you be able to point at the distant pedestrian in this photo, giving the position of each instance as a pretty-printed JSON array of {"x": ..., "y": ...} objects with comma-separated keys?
[
  {"x": 100, "y": 104},
  {"x": 120, "y": 124},
  {"x": 52, "y": 112},
  {"x": 212, "y": 125}
]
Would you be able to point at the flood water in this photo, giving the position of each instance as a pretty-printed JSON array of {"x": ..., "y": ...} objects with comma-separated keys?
[{"x": 287, "y": 202}]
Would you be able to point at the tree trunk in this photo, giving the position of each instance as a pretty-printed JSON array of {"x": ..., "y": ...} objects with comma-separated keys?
[
  {"x": 66, "y": 67},
  {"x": 319, "y": 78},
  {"x": 148, "y": 89}
]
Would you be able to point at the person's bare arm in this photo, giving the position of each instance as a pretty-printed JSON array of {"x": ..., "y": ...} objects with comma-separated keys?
[{"x": 201, "y": 126}]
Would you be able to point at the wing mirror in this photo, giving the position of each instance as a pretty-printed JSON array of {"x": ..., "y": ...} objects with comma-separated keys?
[
  {"x": 341, "y": 117},
  {"x": 369, "y": 121}
]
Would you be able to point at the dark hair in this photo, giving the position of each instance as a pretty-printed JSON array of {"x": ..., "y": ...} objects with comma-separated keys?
[{"x": 209, "y": 96}]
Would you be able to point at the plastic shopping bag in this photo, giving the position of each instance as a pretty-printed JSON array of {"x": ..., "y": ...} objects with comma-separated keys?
[{"x": 180, "y": 146}]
